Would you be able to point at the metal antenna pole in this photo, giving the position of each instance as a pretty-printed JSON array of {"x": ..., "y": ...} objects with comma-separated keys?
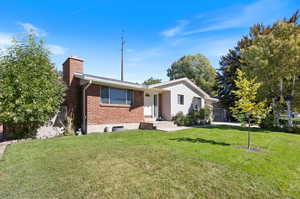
[{"x": 122, "y": 55}]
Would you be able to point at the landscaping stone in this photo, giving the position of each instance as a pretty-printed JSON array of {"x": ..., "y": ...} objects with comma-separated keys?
[{"x": 3, "y": 145}]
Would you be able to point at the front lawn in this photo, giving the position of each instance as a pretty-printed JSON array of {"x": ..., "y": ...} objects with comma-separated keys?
[{"x": 193, "y": 163}]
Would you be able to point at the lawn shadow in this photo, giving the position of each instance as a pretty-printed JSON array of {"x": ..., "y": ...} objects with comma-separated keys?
[
  {"x": 199, "y": 140},
  {"x": 252, "y": 129},
  {"x": 240, "y": 128}
]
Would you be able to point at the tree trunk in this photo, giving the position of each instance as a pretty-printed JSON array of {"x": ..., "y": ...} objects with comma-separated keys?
[
  {"x": 248, "y": 135},
  {"x": 275, "y": 113},
  {"x": 289, "y": 110}
]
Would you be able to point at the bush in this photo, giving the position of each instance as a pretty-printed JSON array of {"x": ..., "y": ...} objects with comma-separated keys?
[
  {"x": 268, "y": 122},
  {"x": 295, "y": 129},
  {"x": 193, "y": 118},
  {"x": 179, "y": 119}
]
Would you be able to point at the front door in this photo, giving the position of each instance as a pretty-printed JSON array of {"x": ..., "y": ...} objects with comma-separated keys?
[{"x": 155, "y": 106}]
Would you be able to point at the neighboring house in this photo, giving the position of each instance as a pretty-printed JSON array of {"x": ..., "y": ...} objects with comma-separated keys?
[{"x": 105, "y": 102}]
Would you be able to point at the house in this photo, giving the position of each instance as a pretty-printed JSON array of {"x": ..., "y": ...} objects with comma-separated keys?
[{"x": 104, "y": 102}]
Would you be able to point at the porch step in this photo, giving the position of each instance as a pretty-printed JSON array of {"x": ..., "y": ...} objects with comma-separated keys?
[
  {"x": 149, "y": 119},
  {"x": 164, "y": 124}
]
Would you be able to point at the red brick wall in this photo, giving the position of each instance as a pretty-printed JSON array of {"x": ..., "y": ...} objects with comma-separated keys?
[
  {"x": 110, "y": 114},
  {"x": 70, "y": 66}
]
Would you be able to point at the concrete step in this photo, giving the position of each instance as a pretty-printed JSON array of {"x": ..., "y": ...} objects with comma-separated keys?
[{"x": 164, "y": 124}]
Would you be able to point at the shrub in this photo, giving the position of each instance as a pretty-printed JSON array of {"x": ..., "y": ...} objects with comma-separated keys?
[
  {"x": 179, "y": 119},
  {"x": 268, "y": 122},
  {"x": 69, "y": 126},
  {"x": 189, "y": 120},
  {"x": 193, "y": 118}
]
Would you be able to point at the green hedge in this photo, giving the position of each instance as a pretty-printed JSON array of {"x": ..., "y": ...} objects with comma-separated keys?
[{"x": 193, "y": 118}]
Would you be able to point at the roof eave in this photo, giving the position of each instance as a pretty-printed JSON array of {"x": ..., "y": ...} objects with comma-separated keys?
[{"x": 108, "y": 82}]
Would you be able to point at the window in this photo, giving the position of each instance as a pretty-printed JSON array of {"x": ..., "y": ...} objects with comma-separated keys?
[
  {"x": 197, "y": 103},
  {"x": 116, "y": 96},
  {"x": 180, "y": 99}
]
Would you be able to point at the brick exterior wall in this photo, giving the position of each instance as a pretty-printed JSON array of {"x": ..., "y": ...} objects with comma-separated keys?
[
  {"x": 70, "y": 66},
  {"x": 98, "y": 113}
]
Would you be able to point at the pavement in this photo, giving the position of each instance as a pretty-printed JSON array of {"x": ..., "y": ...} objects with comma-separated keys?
[{"x": 227, "y": 123}]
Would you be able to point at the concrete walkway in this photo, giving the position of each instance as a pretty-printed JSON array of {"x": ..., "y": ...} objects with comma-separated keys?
[
  {"x": 176, "y": 128},
  {"x": 227, "y": 123}
]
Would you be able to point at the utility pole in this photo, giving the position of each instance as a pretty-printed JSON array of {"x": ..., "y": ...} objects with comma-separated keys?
[{"x": 122, "y": 55}]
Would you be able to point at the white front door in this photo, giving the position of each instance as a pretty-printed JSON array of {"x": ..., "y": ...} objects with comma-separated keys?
[{"x": 151, "y": 105}]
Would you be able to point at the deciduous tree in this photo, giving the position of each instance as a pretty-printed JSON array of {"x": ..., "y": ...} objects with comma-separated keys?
[
  {"x": 31, "y": 91},
  {"x": 274, "y": 59},
  {"x": 247, "y": 108},
  {"x": 198, "y": 69},
  {"x": 152, "y": 80}
]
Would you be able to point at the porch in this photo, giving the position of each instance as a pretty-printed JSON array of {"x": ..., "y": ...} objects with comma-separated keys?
[{"x": 157, "y": 106}]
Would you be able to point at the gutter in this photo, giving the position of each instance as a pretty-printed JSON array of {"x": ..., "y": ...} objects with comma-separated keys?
[{"x": 84, "y": 118}]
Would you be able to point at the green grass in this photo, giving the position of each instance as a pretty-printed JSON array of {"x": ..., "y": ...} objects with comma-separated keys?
[
  {"x": 193, "y": 163},
  {"x": 294, "y": 119}
]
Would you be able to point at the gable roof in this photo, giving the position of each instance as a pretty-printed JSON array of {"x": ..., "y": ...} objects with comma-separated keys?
[
  {"x": 126, "y": 84},
  {"x": 186, "y": 80}
]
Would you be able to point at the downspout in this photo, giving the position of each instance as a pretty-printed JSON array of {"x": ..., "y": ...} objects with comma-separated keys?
[{"x": 84, "y": 126}]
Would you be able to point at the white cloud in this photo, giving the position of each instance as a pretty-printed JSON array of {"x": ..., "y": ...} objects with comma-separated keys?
[
  {"x": 175, "y": 30},
  {"x": 30, "y": 27},
  {"x": 261, "y": 11},
  {"x": 5, "y": 40},
  {"x": 56, "y": 49}
]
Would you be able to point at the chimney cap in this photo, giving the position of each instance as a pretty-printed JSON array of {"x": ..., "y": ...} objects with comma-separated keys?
[{"x": 77, "y": 58}]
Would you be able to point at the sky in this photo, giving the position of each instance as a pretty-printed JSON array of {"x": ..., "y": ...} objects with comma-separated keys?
[{"x": 157, "y": 33}]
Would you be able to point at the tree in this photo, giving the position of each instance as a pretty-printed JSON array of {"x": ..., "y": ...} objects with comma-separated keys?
[
  {"x": 234, "y": 60},
  {"x": 247, "y": 108},
  {"x": 274, "y": 60},
  {"x": 31, "y": 91},
  {"x": 230, "y": 63},
  {"x": 198, "y": 69},
  {"x": 152, "y": 80}
]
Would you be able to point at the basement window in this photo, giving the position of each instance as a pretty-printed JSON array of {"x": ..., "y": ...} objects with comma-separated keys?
[{"x": 116, "y": 96}]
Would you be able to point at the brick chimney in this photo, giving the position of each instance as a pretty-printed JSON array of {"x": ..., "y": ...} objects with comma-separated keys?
[{"x": 71, "y": 66}]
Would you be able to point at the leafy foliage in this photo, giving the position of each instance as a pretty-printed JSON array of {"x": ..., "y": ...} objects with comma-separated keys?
[
  {"x": 31, "y": 91},
  {"x": 234, "y": 60},
  {"x": 274, "y": 60},
  {"x": 198, "y": 69},
  {"x": 193, "y": 118},
  {"x": 151, "y": 80},
  {"x": 247, "y": 108}
]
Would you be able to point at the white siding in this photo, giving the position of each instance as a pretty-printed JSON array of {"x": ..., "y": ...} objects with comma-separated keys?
[{"x": 183, "y": 89}]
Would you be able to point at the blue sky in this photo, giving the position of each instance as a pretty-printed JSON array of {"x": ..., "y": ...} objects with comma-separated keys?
[{"x": 157, "y": 32}]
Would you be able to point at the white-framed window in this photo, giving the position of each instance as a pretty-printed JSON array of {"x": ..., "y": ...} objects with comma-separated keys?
[
  {"x": 197, "y": 103},
  {"x": 180, "y": 99},
  {"x": 110, "y": 95}
]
